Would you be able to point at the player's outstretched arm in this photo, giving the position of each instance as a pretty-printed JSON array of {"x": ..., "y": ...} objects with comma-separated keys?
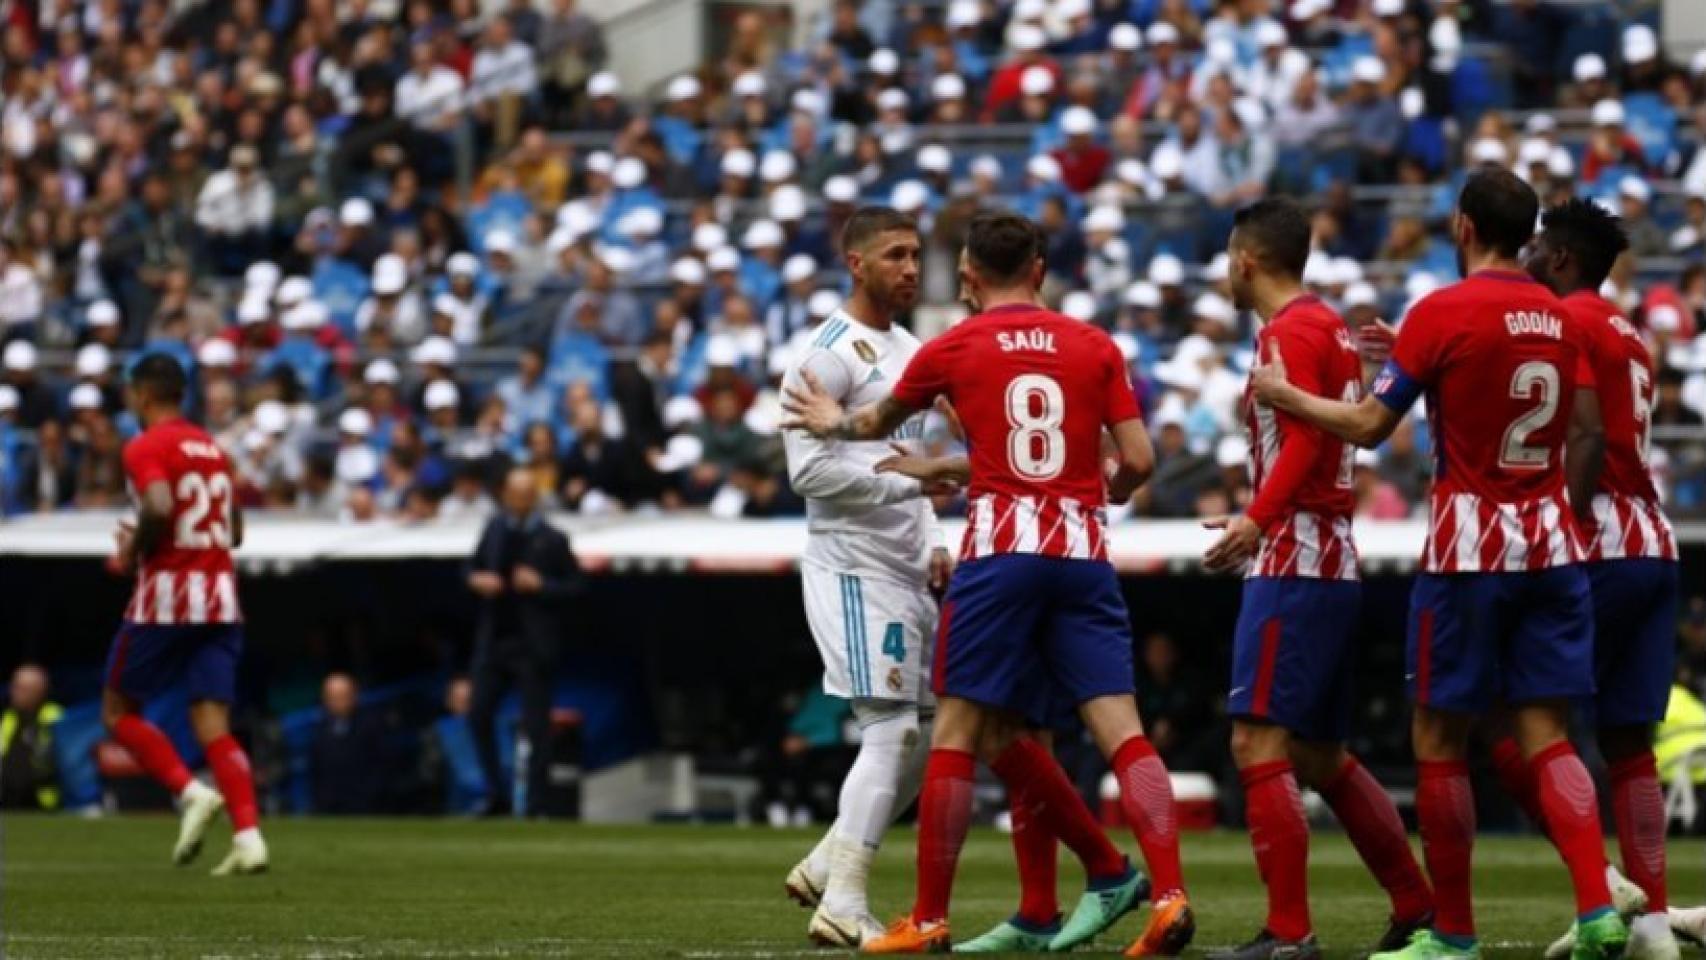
[
  {"x": 1584, "y": 452},
  {"x": 1133, "y": 462},
  {"x": 1366, "y": 423},
  {"x": 812, "y": 409}
]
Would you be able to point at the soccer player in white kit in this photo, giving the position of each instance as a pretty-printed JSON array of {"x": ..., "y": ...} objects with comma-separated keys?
[{"x": 873, "y": 556}]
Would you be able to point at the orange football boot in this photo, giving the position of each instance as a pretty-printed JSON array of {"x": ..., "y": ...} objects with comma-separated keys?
[
  {"x": 905, "y": 936},
  {"x": 1170, "y": 929}
]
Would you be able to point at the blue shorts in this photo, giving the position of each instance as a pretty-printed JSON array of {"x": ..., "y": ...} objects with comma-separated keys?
[
  {"x": 1033, "y": 635},
  {"x": 1291, "y": 655},
  {"x": 148, "y": 658},
  {"x": 1634, "y": 606},
  {"x": 1476, "y": 639}
]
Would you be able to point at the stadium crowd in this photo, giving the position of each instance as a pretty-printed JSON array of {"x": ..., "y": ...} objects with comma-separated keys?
[{"x": 402, "y": 244}]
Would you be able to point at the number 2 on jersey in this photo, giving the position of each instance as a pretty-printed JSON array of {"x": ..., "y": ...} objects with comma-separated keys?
[
  {"x": 205, "y": 521},
  {"x": 1036, "y": 407},
  {"x": 1535, "y": 380}
]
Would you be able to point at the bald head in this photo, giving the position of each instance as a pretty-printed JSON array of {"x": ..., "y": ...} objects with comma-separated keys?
[
  {"x": 29, "y": 688},
  {"x": 521, "y": 493}
]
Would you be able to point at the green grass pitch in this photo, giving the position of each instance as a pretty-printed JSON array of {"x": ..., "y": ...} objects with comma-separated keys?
[{"x": 423, "y": 888}]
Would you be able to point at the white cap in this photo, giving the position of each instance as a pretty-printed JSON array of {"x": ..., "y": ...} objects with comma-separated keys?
[
  {"x": 356, "y": 422},
  {"x": 271, "y": 417},
  {"x": 355, "y": 212},
  {"x": 446, "y": 304},
  {"x": 1069, "y": 10},
  {"x": 909, "y": 196},
  {"x": 788, "y": 204},
  {"x": 1533, "y": 151},
  {"x": 964, "y": 13},
  {"x": 1166, "y": 162},
  {"x": 841, "y": 189},
  {"x": 749, "y": 84},
  {"x": 500, "y": 241},
  {"x": 462, "y": 264},
  {"x": 739, "y": 163},
  {"x": 1387, "y": 8},
  {"x": 93, "y": 360},
  {"x": 1214, "y": 307},
  {"x": 618, "y": 260},
  {"x": 808, "y": 101},
  {"x": 1130, "y": 349},
  {"x": 1361, "y": 294},
  {"x": 1664, "y": 318},
  {"x": 823, "y": 303},
  {"x": 896, "y": 140},
  {"x": 253, "y": 309},
  {"x": 1270, "y": 34},
  {"x": 1104, "y": 219},
  {"x": 1077, "y": 121},
  {"x": 603, "y": 84},
  {"x": 1368, "y": 70},
  {"x": 262, "y": 276},
  {"x": 948, "y": 86},
  {"x": 1640, "y": 44},
  {"x": 440, "y": 395},
  {"x": 1026, "y": 37},
  {"x": 723, "y": 260},
  {"x": 1318, "y": 269},
  {"x": 1420, "y": 284},
  {"x": 102, "y": 313},
  {"x": 763, "y": 234},
  {"x": 1043, "y": 167},
  {"x": 1036, "y": 82},
  {"x": 1143, "y": 294},
  {"x": 1232, "y": 451},
  {"x": 1165, "y": 270},
  {"x": 1132, "y": 171},
  {"x": 1697, "y": 63},
  {"x": 1588, "y": 66},
  {"x": 883, "y": 62},
  {"x": 1029, "y": 9},
  {"x": 307, "y": 315},
  {"x": 721, "y": 351},
  {"x": 1161, "y": 32},
  {"x": 292, "y": 291},
  {"x": 1608, "y": 113},
  {"x": 641, "y": 222},
  {"x": 985, "y": 165},
  {"x": 390, "y": 275},
  {"x": 1344, "y": 271},
  {"x": 216, "y": 353},
  {"x": 85, "y": 396},
  {"x": 1125, "y": 36},
  {"x": 800, "y": 266},
  {"x": 1307, "y": 9},
  {"x": 1218, "y": 268},
  {"x": 935, "y": 158},
  {"x": 777, "y": 166},
  {"x": 1635, "y": 188},
  {"x": 687, "y": 270},
  {"x": 1079, "y": 305},
  {"x": 1488, "y": 150},
  {"x": 1561, "y": 164},
  {"x": 709, "y": 236},
  {"x": 601, "y": 162},
  {"x": 8, "y": 398},
  {"x": 435, "y": 350},
  {"x": 892, "y": 99},
  {"x": 1538, "y": 124},
  {"x": 381, "y": 370},
  {"x": 684, "y": 87},
  {"x": 628, "y": 173},
  {"x": 680, "y": 411}
]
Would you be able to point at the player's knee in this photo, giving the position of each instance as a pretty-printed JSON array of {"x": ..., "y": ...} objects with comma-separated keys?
[
  {"x": 1624, "y": 742},
  {"x": 1317, "y": 763},
  {"x": 1254, "y": 743},
  {"x": 891, "y": 728}
]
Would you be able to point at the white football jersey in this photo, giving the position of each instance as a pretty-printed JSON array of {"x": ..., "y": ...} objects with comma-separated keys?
[{"x": 860, "y": 521}]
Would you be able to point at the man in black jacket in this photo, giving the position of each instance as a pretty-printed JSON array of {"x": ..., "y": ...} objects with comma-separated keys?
[{"x": 523, "y": 572}]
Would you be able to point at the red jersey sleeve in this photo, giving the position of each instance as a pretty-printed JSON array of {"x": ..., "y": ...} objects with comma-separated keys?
[
  {"x": 926, "y": 376},
  {"x": 1120, "y": 404},
  {"x": 143, "y": 464},
  {"x": 1300, "y": 443}
]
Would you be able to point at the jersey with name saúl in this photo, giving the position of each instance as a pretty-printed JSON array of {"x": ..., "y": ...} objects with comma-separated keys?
[
  {"x": 1033, "y": 389},
  {"x": 1497, "y": 355},
  {"x": 190, "y": 578},
  {"x": 860, "y": 522},
  {"x": 1628, "y": 519},
  {"x": 1301, "y": 475}
]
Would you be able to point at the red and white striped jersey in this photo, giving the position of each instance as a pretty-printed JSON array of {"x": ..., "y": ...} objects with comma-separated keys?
[
  {"x": 1627, "y": 519},
  {"x": 1034, "y": 390},
  {"x": 1499, "y": 357},
  {"x": 190, "y": 579},
  {"x": 1301, "y": 474}
]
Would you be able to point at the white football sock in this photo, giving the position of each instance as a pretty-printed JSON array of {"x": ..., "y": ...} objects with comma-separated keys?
[
  {"x": 817, "y": 862},
  {"x": 246, "y": 837},
  {"x": 889, "y": 738}
]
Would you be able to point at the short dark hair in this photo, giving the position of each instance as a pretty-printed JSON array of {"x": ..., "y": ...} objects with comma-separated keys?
[
  {"x": 868, "y": 222},
  {"x": 1277, "y": 230},
  {"x": 160, "y": 377},
  {"x": 1501, "y": 207},
  {"x": 1591, "y": 233},
  {"x": 1003, "y": 245}
]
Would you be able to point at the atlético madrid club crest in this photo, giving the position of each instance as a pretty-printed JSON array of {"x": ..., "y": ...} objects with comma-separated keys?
[{"x": 865, "y": 351}]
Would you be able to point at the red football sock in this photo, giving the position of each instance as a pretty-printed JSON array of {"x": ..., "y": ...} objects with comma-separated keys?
[
  {"x": 1638, "y": 803},
  {"x": 1280, "y": 836},
  {"x": 152, "y": 751},
  {"x": 1027, "y": 761},
  {"x": 1146, "y": 799},
  {"x": 1517, "y": 777},
  {"x": 1572, "y": 811},
  {"x": 231, "y": 771},
  {"x": 1034, "y": 847},
  {"x": 1371, "y": 820},
  {"x": 944, "y": 813},
  {"x": 1445, "y": 807}
]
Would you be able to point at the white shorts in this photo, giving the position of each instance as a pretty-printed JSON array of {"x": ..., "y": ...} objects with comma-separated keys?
[{"x": 875, "y": 636}]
